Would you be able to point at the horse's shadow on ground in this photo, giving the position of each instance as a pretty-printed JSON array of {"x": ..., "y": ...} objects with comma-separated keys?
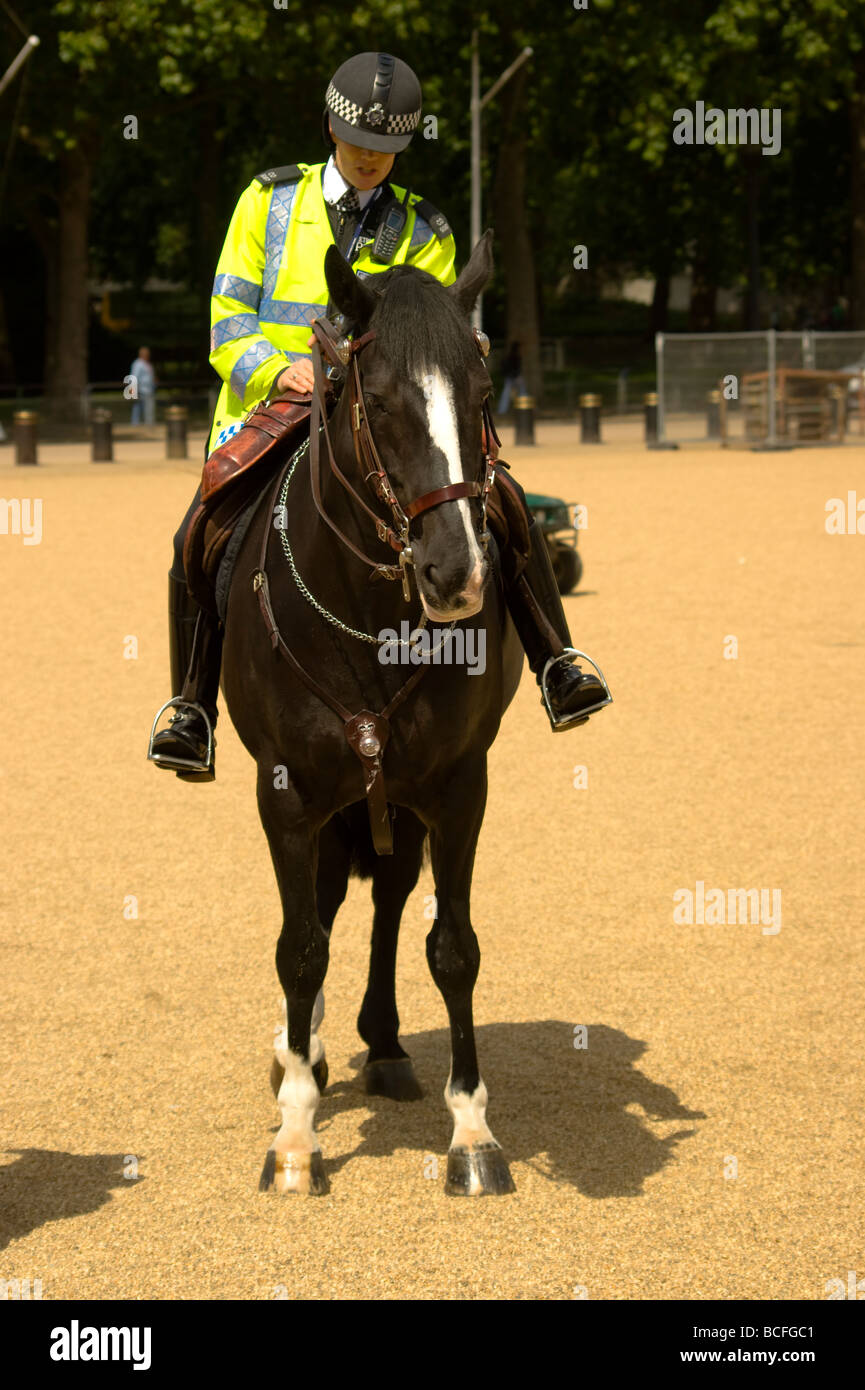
[
  {"x": 48, "y": 1185},
  {"x": 565, "y": 1111}
]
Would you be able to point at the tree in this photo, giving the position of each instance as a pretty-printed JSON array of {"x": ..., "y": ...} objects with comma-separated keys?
[
  {"x": 578, "y": 145},
  {"x": 97, "y": 59}
]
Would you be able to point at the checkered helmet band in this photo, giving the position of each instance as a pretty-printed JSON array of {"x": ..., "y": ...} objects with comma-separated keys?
[{"x": 349, "y": 111}]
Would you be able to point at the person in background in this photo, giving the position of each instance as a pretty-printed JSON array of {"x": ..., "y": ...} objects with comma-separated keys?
[
  {"x": 514, "y": 379},
  {"x": 142, "y": 370}
]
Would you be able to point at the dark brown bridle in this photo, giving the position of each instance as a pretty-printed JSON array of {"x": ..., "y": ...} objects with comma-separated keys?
[
  {"x": 367, "y": 733},
  {"x": 343, "y": 352}
]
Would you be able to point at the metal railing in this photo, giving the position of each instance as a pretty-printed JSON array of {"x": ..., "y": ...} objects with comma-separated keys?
[
  {"x": 776, "y": 388},
  {"x": 200, "y": 396}
]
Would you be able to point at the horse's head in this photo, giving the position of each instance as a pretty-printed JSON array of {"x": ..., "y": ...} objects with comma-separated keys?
[{"x": 424, "y": 383}]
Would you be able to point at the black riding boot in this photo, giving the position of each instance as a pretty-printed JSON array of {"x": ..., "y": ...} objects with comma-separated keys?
[
  {"x": 196, "y": 655},
  {"x": 568, "y": 694}
]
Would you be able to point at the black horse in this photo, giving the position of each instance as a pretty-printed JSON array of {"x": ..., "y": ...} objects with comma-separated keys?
[{"x": 423, "y": 384}]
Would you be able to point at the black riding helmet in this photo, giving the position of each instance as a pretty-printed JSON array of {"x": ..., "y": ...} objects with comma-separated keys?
[{"x": 373, "y": 100}]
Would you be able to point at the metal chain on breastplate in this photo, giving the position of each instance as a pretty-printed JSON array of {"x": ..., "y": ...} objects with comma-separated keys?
[{"x": 310, "y": 597}]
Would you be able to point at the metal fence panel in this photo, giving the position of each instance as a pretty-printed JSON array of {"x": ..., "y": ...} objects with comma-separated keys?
[
  {"x": 744, "y": 389},
  {"x": 691, "y": 365}
]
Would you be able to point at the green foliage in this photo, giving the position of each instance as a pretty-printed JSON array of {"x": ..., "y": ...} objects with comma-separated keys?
[{"x": 220, "y": 90}]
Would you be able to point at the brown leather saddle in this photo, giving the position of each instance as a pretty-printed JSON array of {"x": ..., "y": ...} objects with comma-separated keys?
[
  {"x": 238, "y": 472},
  {"x": 234, "y": 475}
]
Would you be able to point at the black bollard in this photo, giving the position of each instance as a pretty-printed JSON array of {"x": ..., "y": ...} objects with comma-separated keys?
[
  {"x": 175, "y": 431},
  {"x": 590, "y": 419},
  {"x": 836, "y": 412},
  {"x": 524, "y": 419},
  {"x": 101, "y": 443},
  {"x": 713, "y": 415},
  {"x": 650, "y": 406},
  {"x": 25, "y": 433}
]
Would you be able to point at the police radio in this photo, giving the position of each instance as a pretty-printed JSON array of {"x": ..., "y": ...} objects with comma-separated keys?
[{"x": 389, "y": 232}]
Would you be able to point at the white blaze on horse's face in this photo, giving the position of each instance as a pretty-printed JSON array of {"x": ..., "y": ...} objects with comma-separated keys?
[{"x": 442, "y": 425}]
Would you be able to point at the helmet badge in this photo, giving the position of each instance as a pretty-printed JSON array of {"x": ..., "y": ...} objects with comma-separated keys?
[{"x": 375, "y": 114}]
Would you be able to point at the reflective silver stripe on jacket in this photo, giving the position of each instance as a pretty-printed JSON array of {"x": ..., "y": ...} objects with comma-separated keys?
[
  {"x": 235, "y": 326},
  {"x": 278, "y": 218},
  {"x": 246, "y": 364},
  {"x": 292, "y": 313},
  {"x": 235, "y": 287}
]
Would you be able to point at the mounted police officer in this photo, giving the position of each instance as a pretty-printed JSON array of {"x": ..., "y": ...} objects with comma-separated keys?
[{"x": 269, "y": 287}]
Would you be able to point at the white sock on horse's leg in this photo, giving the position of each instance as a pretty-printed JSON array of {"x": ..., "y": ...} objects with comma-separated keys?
[
  {"x": 316, "y": 1046},
  {"x": 294, "y": 1159},
  {"x": 469, "y": 1116}
]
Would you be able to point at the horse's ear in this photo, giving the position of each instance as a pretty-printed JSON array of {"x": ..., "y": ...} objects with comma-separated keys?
[
  {"x": 349, "y": 294},
  {"x": 474, "y": 274}
]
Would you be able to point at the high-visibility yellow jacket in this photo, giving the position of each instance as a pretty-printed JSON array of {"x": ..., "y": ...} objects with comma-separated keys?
[{"x": 270, "y": 284}]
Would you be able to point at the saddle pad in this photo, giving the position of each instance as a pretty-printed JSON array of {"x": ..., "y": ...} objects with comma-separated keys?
[
  {"x": 232, "y": 550},
  {"x": 213, "y": 523}
]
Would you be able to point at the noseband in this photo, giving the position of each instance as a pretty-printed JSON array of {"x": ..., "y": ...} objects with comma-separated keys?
[{"x": 343, "y": 352}]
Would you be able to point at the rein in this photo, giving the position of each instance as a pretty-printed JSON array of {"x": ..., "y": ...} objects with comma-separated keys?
[{"x": 367, "y": 733}]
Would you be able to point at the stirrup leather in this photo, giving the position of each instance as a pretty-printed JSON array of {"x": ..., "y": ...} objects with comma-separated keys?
[
  {"x": 581, "y": 716},
  {"x": 187, "y": 764}
]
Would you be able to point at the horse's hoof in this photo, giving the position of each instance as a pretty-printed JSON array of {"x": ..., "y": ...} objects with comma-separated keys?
[
  {"x": 320, "y": 1073},
  {"x": 394, "y": 1079},
  {"x": 294, "y": 1172},
  {"x": 478, "y": 1172}
]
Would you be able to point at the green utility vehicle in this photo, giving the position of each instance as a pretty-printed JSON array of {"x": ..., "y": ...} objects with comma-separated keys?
[{"x": 558, "y": 521}]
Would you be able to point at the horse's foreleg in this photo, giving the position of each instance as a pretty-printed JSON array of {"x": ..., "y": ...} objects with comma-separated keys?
[
  {"x": 334, "y": 857},
  {"x": 476, "y": 1164},
  {"x": 294, "y": 1162},
  {"x": 388, "y": 1070}
]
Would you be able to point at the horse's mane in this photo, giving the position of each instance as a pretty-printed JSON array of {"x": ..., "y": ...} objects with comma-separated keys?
[{"x": 418, "y": 324}]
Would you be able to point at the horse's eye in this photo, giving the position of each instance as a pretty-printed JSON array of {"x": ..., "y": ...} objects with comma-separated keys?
[{"x": 375, "y": 403}]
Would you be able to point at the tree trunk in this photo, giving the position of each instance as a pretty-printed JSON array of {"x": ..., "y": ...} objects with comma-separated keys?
[
  {"x": 516, "y": 252},
  {"x": 44, "y": 232},
  {"x": 659, "y": 312},
  {"x": 68, "y": 352},
  {"x": 752, "y": 234},
  {"x": 7, "y": 366},
  {"x": 210, "y": 227},
  {"x": 704, "y": 293},
  {"x": 857, "y": 197}
]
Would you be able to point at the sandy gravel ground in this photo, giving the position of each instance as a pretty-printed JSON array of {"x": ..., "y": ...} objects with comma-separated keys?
[{"x": 143, "y": 1044}]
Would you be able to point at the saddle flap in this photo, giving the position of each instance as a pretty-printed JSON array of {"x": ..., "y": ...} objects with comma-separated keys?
[
  {"x": 260, "y": 433},
  {"x": 509, "y": 524},
  {"x": 232, "y": 476}
]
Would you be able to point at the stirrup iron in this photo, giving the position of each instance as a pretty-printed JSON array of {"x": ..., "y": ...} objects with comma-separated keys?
[
  {"x": 184, "y": 764},
  {"x": 582, "y": 715}
]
